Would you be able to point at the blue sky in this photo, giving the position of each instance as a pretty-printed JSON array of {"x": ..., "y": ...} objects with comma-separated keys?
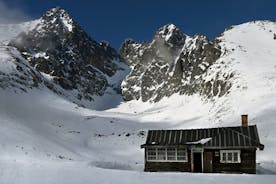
[{"x": 116, "y": 20}]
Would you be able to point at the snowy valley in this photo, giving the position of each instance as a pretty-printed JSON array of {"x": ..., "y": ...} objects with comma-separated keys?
[{"x": 69, "y": 121}]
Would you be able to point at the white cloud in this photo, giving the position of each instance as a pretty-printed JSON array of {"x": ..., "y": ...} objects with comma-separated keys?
[{"x": 11, "y": 14}]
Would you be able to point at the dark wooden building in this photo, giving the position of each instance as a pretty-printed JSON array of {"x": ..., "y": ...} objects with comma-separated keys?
[{"x": 223, "y": 149}]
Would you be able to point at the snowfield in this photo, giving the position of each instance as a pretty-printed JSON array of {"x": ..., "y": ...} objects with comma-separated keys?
[
  {"x": 80, "y": 173},
  {"x": 44, "y": 138}
]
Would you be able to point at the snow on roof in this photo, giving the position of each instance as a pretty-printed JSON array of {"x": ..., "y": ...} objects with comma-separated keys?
[{"x": 201, "y": 141}]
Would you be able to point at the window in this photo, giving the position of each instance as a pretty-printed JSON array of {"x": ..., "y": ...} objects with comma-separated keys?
[
  {"x": 167, "y": 155},
  {"x": 230, "y": 156},
  {"x": 236, "y": 157},
  {"x": 181, "y": 154},
  {"x": 161, "y": 153},
  {"x": 151, "y": 154},
  {"x": 223, "y": 156},
  {"x": 171, "y": 154}
]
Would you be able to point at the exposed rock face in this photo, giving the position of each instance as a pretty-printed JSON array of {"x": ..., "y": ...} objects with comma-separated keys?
[
  {"x": 60, "y": 54},
  {"x": 57, "y": 46},
  {"x": 172, "y": 63}
]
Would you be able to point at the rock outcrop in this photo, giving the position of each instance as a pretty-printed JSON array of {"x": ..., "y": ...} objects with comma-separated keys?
[{"x": 171, "y": 63}]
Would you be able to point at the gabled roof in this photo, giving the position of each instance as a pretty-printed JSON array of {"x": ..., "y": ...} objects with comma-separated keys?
[{"x": 212, "y": 138}]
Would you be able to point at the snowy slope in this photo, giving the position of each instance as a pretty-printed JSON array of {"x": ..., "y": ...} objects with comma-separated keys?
[
  {"x": 45, "y": 138},
  {"x": 251, "y": 52},
  {"x": 10, "y": 31}
]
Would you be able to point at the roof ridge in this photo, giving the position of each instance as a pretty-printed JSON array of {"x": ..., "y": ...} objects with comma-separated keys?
[{"x": 199, "y": 128}]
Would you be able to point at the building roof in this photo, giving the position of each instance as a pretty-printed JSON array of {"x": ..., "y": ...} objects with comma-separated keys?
[{"x": 211, "y": 138}]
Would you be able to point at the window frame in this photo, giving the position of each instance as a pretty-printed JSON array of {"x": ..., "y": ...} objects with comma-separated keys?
[
  {"x": 176, "y": 156},
  {"x": 161, "y": 153},
  {"x": 181, "y": 150},
  {"x": 151, "y": 156},
  {"x": 227, "y": 156},
  {"x": 173, "y": 155}
]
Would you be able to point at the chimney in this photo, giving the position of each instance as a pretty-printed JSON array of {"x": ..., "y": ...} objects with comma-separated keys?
[{"x": 244, "y": 120}]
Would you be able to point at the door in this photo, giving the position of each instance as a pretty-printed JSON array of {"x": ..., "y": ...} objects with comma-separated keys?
[
  {"x": 197, "y": 162},
  {"x": 208, "y": 162}
]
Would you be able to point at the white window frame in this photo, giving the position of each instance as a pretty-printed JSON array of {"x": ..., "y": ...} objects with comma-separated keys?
[
  {"x": 161, "y": 154},
  {"x": 227, "y": 153},
  {"x": 184, "y": 158},
  {"x": 153, "y": 156},
  {"x": 173, "y": 156}
]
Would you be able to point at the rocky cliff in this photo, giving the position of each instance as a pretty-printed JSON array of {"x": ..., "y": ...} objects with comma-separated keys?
[
  {"x": 172, "y": 63},
  {"x": 59, "y": 48}
]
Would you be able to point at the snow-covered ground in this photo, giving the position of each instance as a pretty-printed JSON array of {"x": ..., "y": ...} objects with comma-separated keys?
[
  {"x": 81, "y": 173},
  {"x": 44, "y": 138}
]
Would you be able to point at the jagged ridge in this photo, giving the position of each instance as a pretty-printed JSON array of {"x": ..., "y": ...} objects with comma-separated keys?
[{"x": 172, "y": 63}]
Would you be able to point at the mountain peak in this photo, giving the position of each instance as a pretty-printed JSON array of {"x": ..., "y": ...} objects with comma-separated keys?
[
  {"x": 172, "y": 63},
  {"x": 59, "y": 16},
  {"x": 167, "y": 31},
  {"x": 61, "y": 49},
  {"x": 167, "y": 28},
  {"x": 56, "y": 11},
  {"x": 171, "y": 34}
]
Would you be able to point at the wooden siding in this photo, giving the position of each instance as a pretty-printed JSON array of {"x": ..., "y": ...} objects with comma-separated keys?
[
  {"x": 211, "y": 163},
  {"x": 247, "y": 165}
]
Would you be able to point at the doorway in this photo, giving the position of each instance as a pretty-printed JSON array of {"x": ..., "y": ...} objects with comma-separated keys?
[{"x": 197, "y": 162}]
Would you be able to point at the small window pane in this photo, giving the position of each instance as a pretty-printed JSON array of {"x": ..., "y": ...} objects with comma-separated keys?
[
  {"x": 224, "y": 156},
  {"x": 229, "y": 157},
  {"x": 181, "y": 154},
  {"x": 171, "y": 154},
  {"x": 151, "y": 154},
  {"x": 161, "y": 154},
  {"x": 236, "y": 157}
]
